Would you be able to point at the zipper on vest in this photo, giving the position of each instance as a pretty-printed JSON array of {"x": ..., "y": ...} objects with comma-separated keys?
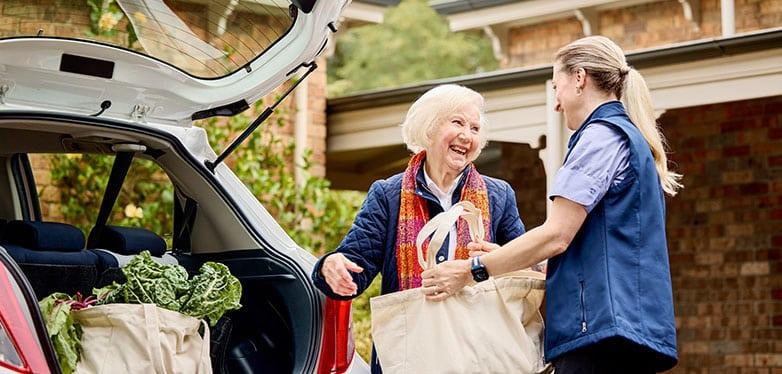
[{"x": 583, "y": 308}]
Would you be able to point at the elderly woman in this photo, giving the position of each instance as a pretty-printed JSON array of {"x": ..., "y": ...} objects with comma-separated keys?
[{"x": 446, "y": 130}]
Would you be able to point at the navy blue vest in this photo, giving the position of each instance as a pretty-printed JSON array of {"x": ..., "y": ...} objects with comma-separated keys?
[{"x": 614, "y": 279}]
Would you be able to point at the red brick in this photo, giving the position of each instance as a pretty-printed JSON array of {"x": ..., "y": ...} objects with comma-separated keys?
[
  {"x": 768, "y": 359},
  {"x": 742, "y": 150},
  {"x": 766, "y": 148},
  {"x": 739, "y": 360},
  {"x": 776, "y": 214},
  {"x": 754, "y": 189},
  {"x": 775, "y": 133},
  {"x": 773, "y": 107},
  {"x": 769, "y": 254},
  {"x": 735, "y": 125}
]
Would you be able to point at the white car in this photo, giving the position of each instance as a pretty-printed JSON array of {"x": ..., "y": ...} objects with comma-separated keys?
[{"x": 64, "y": 95}]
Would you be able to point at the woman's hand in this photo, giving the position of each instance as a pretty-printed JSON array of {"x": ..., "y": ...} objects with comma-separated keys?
[
  {"x": 445, "y": 279},
  {"x": 336, "y": 271},
  {"x": 481, "y": 247}
]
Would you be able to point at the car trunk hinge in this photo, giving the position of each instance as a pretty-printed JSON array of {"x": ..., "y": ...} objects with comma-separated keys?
[{"x": 211, "y": 165}]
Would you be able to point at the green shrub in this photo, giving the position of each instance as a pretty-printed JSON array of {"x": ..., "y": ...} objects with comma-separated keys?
[{"x": 145, "y": 200}]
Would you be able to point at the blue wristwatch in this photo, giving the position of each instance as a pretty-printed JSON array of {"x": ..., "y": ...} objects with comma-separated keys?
[{"x": 478, "y": 269}]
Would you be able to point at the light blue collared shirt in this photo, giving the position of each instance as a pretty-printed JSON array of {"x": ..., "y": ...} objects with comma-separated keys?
[{"x": 599, "y": 160}]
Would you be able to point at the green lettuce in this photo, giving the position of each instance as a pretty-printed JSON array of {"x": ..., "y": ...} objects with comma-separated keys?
[
  {"x": 64, "y": 333},
  {"x": 212, "y": 292},
  {"x": 207, "y": 295}
]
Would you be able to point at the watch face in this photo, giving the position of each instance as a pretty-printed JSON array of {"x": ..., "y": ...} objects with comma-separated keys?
[{"x": 479, "y": 272}]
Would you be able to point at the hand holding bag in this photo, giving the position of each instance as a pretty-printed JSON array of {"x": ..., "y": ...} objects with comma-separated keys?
[{"x": 489, "y": 327}]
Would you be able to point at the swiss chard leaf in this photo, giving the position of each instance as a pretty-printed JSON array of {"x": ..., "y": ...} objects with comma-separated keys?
[
  {"x": 207, "y": 295},
  {"x": 213, "y": 292},
  {"x": 63, "y": 331}
]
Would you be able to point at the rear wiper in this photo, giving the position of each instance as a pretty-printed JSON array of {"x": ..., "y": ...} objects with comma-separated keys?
[{"x": 211, "y": 165}]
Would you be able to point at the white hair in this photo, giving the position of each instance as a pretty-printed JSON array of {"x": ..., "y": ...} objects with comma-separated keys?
[{"x": 433, "y": 108}]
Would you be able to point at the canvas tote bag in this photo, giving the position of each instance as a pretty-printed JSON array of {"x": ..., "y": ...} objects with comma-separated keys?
[
  {"x": 141, "y": 338},
  {"x": 488, "y": 327}
]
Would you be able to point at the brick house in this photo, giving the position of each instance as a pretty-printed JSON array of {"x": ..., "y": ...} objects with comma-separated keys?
[{"x": 715, "y": 71}]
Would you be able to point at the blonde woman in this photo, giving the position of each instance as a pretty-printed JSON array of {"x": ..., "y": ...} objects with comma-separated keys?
[
  {"x": 609, "y": 304},
  {"x": 446, "y": 131}
]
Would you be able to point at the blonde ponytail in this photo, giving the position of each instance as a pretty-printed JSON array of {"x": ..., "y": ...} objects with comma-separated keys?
[
  {"x": 605, "y": 63},
  {"x": 638, "y": 102}
]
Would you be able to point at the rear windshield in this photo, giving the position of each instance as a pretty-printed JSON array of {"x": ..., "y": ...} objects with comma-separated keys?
[{"x": 204, "y": 38}]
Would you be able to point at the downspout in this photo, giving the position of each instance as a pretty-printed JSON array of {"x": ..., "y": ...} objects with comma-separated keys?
[
  {"x": 728, "y": 17},
  {"x": 300, "y": 124}
]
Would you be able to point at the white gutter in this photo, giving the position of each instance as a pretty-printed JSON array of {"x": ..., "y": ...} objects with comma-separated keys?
[
  {"x": 728, "y": 17},
  {"x": 364, "y": 12},
  {"x": 531, "y": 11}
]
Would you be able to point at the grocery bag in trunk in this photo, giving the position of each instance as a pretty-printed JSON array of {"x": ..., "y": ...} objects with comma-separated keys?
[
  {"x": 141, "y": 338},
  {"x": 488, "y": 327}
]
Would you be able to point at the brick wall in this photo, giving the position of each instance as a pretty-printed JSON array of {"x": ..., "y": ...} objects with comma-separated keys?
[
  {"x": 49, "y": 195},
  {"x": 638, "y": 27},
  {"x": 725, "y": 236},
  {"x": 536, "y": 44}
]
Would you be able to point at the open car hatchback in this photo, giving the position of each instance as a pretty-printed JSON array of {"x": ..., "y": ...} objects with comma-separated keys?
[{"x": 130, "y": 86}]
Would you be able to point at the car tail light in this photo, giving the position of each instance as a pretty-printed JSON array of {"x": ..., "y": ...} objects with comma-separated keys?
[
  {"x": 19, "y": 348},
  {"x": 9, "y": 356},
  {"x": 337, "y": 348}
]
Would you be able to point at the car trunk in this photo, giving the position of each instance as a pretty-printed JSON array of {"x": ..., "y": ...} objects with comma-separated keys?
[
  {"x": 278, "y": 327},
  {"x": 267, "y": 334},
  {"x": 267, "y": 331}
]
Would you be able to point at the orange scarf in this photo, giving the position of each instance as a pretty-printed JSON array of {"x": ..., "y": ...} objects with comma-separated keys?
[{"x": 414, "y": 213}]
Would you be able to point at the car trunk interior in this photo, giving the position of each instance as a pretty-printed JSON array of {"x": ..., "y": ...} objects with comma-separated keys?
[{"x": 277, "y": 326}]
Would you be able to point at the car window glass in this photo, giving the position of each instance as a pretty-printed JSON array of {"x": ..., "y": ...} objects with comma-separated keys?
[
  {"x": 71, "y": 187},
  {"x": 207, "y": 39}
]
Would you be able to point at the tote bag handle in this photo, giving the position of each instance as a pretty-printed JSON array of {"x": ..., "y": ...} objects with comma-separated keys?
[{"x": 441, "y": 224}]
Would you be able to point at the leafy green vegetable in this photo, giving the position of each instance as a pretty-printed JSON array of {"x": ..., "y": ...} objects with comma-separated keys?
[
  {"x": 63, "y": 331},
  {"x": 212, "y": 293},
  {"x": 151, "y": 282},
  {"x": 208, "y": 295}
]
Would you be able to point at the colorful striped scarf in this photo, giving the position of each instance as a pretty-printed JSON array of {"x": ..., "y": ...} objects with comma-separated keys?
[{"x": 414, "y": 213}]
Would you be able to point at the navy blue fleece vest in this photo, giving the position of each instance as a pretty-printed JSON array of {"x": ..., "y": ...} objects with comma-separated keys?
[{"x": 614, "y": 279}]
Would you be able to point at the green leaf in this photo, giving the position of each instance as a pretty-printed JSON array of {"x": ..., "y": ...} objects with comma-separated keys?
[
  {"x": 213, "y": 292},
  {"x": 151, "y": 282},
  {"x": 64, "y": 333}
]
